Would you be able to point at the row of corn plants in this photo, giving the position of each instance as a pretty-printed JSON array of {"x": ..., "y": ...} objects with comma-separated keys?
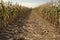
[
  {"x": 10, "y": 12},
  {"x": 50, "y": 13}
]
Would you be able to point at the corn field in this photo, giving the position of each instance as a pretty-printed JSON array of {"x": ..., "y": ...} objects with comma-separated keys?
[
  {"x": 10, "y": 12},
  {"x": 50, "y": 13}
]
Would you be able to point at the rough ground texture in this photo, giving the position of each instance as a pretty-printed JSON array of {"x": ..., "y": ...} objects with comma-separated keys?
[{"x": 29, "y": 27}]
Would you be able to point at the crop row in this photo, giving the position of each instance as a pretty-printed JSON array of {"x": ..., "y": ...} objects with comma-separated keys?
[
  {"x": 51, "y": 14},
  {"x": 10, "y": 12}
]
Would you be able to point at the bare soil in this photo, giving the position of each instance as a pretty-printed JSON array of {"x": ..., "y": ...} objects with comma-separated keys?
[{"x": 31, "y": 26}]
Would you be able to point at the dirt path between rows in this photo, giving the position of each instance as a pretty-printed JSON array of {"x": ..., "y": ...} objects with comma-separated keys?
[
  {"x": 38, "y": 28},
  {"x": 29, "y": 27}
]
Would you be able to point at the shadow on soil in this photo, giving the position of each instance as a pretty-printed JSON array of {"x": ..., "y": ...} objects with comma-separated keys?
[{"x": 9, "y": 32}]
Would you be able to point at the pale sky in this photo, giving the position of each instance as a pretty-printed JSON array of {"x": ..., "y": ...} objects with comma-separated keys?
[{"x": 30, "y": 3}]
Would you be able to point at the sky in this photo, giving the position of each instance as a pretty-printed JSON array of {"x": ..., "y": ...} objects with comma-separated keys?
[{"x": 29, "y": 3}]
